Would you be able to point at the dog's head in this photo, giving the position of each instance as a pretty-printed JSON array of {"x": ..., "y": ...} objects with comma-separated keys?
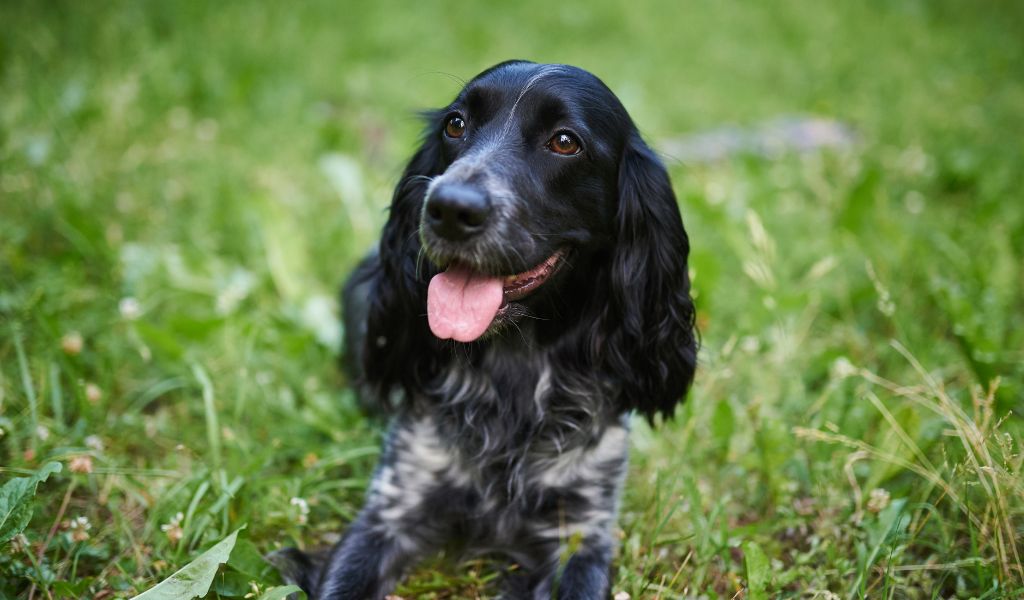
[{"x": 534, "y": 209}]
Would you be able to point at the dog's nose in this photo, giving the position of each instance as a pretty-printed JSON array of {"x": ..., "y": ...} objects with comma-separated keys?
[{"x": 457, "y": 211}]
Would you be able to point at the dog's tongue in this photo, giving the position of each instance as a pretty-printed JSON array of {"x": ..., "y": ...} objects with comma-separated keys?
[{"x": 461, "y": 304}]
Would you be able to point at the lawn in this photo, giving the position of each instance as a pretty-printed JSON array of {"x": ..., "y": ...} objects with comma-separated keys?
[{"x": 183, "y": 187}]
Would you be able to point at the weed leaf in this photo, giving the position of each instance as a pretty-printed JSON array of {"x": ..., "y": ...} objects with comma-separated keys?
[
  {"x": 882, "y": 535},
  {"x": 246, "y": 558},
  {"x": 758, "y": 571},
  {"x": 16, "y": 501},
  {"x": 195, "y": 578},
  {"x": 280, "y": 592}
]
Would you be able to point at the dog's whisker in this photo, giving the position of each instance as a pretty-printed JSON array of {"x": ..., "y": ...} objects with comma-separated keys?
[{"x": 451, "y": 76}]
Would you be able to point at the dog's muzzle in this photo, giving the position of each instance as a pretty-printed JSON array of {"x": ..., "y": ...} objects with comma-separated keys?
[{"x": 457, "y": 211}]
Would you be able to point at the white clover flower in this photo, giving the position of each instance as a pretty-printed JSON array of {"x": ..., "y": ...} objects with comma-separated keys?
[
  {"x": 303, "y": 509},
  {"x": 94, "y": 442},
  {"x": 843, "y": 368},
  {"x": 878, "y": 499},
  {"x": 129, "y": 308},
  {"x": 80, "y": 464},
  {"x": 93, "y": 393},
  {"x": 173, "y": 529},
  {"x": 80, "y": 527}
]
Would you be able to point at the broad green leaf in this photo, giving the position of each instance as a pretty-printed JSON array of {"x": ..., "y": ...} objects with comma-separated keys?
[
  {"x": 194, "y": 579},
  {"x": 246, "y": 558},
  {"x": 890, "y": 521},
  {"x": 882, "y": 534},
  {"x": 281, "y": 592},
  {"x": 758, "y": 571},
  {"x": 232, "y": 584},
  {"x": 16, "y": 501}
]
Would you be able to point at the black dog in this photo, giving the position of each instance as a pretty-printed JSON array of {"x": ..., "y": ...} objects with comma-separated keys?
[{"x": 530, "y": 291}]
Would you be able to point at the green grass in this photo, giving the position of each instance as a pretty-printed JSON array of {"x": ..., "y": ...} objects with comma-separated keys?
[{"x": 225, "y": 164}]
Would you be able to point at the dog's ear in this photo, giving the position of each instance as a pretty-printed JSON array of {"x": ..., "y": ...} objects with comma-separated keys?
[
  {"x": 651, "y": 342},
  {"x": 397, "y": 347}
]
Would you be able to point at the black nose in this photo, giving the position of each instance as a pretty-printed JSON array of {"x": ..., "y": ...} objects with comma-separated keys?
[{"x": 457, "y": 211}]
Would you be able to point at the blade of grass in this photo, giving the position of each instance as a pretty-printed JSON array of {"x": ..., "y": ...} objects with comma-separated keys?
[
  {"x": 210, "y": 413},
  {"x": 56, "y": 396},
  {"x": 26, "y": 383}
]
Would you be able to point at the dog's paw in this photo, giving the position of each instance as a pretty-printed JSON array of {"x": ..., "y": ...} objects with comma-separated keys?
[{"x": 298, "y": 568}]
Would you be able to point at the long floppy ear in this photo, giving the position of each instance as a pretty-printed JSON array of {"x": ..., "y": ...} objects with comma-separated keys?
[
  {"x": 389, "y": 344},
  {"x": 651, "y": 344}
]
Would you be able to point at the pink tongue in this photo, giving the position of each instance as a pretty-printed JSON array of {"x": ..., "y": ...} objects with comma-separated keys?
[{"x": 461, "y": 304}]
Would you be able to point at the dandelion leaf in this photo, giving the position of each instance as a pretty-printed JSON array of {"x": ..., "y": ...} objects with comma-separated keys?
[{"x": 195, "y": 578}]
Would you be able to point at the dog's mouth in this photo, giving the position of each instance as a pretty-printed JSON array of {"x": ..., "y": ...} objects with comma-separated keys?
[{"x": 462, "y": 303}]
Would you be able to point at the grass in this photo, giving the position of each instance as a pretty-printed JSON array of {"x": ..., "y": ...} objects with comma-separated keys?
[{"x": 183, "y": 186}]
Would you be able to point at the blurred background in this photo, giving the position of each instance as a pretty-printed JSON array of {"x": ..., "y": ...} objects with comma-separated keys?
[{"x": 184, "y": 185}]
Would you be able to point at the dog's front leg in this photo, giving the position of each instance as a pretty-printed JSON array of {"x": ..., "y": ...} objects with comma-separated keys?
[
  {"x": 406, "y": 515},
  {"x": 587, "y": 575},
  {"x": 366, "y": 563}
]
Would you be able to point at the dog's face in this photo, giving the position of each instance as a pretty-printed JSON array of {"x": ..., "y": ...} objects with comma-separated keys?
[
  {"x": 529, "y": 191},
  {"x": 534, "y": 201}
]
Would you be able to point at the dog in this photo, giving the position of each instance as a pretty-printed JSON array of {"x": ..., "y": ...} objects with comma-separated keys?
[{"x": 530, "y": 293}]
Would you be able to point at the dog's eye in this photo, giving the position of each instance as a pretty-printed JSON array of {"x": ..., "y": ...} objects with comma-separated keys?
[
  {"x": 565, "y": 143},
  {"x": 455, "y": 127}
]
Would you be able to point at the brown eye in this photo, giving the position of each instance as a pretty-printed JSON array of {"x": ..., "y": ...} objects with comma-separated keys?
[
  {"x": 455, "y": 127},
  {"x": 565, "y": 143}
]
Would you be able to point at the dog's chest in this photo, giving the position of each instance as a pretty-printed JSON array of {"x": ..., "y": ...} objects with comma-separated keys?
[
  {"x": 427, "y": 475},
  {"x": 502, "y": 454}
]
